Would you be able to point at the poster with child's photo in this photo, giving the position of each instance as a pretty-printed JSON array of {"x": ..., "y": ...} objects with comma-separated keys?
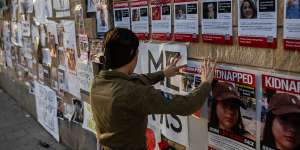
[{"x": 77, "y": 116}]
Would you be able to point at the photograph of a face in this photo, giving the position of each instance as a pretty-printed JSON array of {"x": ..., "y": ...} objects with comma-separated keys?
[
  {"x": 180, "y": 12},
  {"x": 248, "y": 9},
  {"x": 210, "y": 10}
]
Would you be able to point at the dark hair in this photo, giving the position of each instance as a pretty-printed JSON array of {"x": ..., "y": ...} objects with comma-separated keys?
[
  {"x": 268, "y": 137},
  {"x": 120, "y": 47},
  {"x": 252, "y": 6},
  {"x": 237, "y": 129}
]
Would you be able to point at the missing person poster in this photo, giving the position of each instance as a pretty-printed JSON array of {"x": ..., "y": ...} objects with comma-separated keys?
[
  {"x": 161, "y": 20},
  {"x": 257, "y": 23},
  {"x": 140, "y": 19},
  {"x": 102, "y": 20},
  {"x": 232, "y": 110},
  {"x": 121, "y": 14},
  {"x": 217, "y": 21},
  {"x": 280, "y": 112},
  {"x": 155, "y": 57},
  {"x": 186, "y": 20},
  {"x": 46, "y": 105},
  {"x": 291, "y": 30}
]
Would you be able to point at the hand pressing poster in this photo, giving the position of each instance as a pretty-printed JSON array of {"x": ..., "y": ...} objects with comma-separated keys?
[
  {"x": 186, "y": 20},
  {"x": 88, "y": 120},
  {"x": 102, "y": 20},
  {"x": 217, "y": 21},
  {"x": 161, "y": 20},
  {"x": 155, "y": 57},
  {"x": 42, "y": 9},
  {"x": 61, "y": 8},
  {"x": 280, "y": 112},
  {"x": 232, "y": 110},
  {"x": 140, "y": 19},
  {"x": 257, "y": 23},
  {"x": 46, "y": 105},
  {"x": 291, "y": 30},
  {"x": 121, "y": 14}
]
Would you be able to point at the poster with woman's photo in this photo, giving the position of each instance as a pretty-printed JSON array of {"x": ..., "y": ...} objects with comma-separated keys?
[
  {"x": 291, "y": 30},
  {"x": 61, "y": 8},
  {"x": 186, "y": 20},
  {"x": 217, "y": 21},
  {"x": 121, "y": 14},
  {"x": 161, "y": 20},
  {"x": 232, "y": 117},
  {"x": 257, "y": 23},
  {"x": 140, "y": 19},
  {"x": 280, "y": 112},
  {"x": 102, "y": 20}
]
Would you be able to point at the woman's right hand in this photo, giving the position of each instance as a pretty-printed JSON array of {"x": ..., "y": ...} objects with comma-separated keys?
[{"x": 208, "y": 70}]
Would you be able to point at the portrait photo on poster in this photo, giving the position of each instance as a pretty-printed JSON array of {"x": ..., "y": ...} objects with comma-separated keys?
[
  {"x": 156, "y": 13},
  {"x": 248, "y": 9},
  {"x": 210, "y": 10},
  {"x": 180, "y": 12},
  {"x": 135, "y": 15},
  {"x": 292, "y": 9}
]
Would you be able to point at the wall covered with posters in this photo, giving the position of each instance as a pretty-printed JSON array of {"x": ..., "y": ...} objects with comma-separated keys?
[{"x": 49, "y": 48}]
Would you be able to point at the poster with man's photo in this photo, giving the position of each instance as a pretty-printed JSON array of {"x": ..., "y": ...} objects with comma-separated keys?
[
  {"x": 232, "y": 116},
  {"x": 121, "y": 14},
  {"x": 155, "y": 57},
  {"x": 161, "y": 20},
  {"x": 102, "y": 20},
  {"x": 61, "y": 8},
  {"x": 280, "y": 112},
  {"x": 77, "y": 116},
  {"x": 257, "y": 23},
  {"x": 217, "y": 21},
  {"x": 140, "y": 19},
  {"x": 291, "y": 30},
  {"x": 186, "y": 20}
]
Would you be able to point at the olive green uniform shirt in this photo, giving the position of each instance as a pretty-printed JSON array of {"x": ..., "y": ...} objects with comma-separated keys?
[{"x": 121, "y": 104}]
